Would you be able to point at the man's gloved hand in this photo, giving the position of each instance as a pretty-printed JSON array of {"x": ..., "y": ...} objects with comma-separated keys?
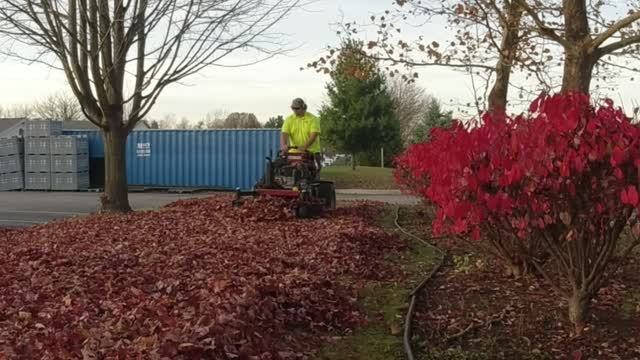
[{"x": 302, "y": 148}]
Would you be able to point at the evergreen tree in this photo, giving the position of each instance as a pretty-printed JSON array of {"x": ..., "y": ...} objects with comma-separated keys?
[
  {"x": 274, "y": 122},
  {"x": 359, "y": 118},
  {"x": 434, "y": 117}
]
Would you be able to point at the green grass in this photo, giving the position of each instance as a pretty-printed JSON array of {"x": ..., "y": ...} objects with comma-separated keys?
[
  {"x": 364, "y": 177},
  {"x": 376, "y": 340}
]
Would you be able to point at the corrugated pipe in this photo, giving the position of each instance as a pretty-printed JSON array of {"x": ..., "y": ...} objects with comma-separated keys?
[{"x": 413, "y": 295}]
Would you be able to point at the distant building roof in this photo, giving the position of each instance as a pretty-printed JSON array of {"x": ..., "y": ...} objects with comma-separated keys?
[{"x": 6, "y": 123}]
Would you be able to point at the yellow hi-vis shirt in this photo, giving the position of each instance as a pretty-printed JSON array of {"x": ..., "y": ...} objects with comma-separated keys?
[{"x": 299, "y": 130}]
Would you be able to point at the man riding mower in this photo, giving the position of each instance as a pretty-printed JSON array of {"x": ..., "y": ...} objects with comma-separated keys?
[{"x": 295, "y": 173}]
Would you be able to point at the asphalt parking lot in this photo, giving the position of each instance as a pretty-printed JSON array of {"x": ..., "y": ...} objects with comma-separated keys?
[
  {"x": 18, "y": 209},
  {"x": 29, "y": 208}
]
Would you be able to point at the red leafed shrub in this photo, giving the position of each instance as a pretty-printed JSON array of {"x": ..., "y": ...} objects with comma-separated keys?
[
  {"x": 408, "y": 172},
  {"x": 198, "y": 279},
  {"x": 562, "y": 180}
]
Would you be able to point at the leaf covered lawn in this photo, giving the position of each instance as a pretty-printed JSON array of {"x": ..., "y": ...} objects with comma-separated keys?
[{"x": 197, "y": 279}]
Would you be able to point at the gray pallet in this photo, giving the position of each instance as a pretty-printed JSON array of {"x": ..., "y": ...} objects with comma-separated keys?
[
  {"x": 64, "y": 145},
  {"x": 70, "y": 181},
  {"x": 11, "y": 146},
  {"x": 37, "y": 181},
  {"x": 70, "y": 163},
  {"x": 11, "y": 164},
  {"x": 11, "y": 181},
  {"x": 37, "y": 145},
  {"x": 42, "y": 128},
  {"x": 37, "y": 163}
]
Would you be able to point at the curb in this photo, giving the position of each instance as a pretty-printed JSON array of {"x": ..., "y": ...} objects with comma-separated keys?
[{"x": 368, "y": 192}]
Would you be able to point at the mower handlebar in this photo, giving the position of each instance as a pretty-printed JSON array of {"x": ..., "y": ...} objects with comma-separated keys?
[{"x": 295, "y": 148}]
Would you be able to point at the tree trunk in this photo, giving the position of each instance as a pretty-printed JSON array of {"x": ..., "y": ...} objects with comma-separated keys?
[
  {"x": 508, "y": 52},
  {"x": 116, "y": 194},
  {"x": 353, "y": 161},
  {"x": 579, "y": 309},
  {"x": 578, "y": 70},
  {"x": 499, "y": 91},
  {"x": 579, "y": 62}
]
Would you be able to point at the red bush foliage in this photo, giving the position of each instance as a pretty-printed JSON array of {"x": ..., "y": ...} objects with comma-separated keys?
[
  {"x": 565, "y": 176},
  {"x": 197, "y": 279}
]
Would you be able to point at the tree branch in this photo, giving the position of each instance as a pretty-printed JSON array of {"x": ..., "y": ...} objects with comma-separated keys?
[
  {"x": 612, "y": 29},
  {"x": 623, "y": 67},
  {"x": 427, "y": 64},
  {"x": 542, "y": 28},
  {"x": 617, "y": 46},
  {"x": 487, "y": 323}
]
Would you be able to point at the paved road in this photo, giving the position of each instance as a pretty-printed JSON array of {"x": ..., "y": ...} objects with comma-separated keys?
[
  {"x": 29, "y": 208},
  {"x": 383, "y": 197}
]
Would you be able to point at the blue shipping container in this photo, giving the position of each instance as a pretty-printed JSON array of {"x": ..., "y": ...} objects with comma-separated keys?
[{"x": 193, "y": 158}]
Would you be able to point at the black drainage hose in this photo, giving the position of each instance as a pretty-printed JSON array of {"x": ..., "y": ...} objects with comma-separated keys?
[{"x": 413, "y": 295}]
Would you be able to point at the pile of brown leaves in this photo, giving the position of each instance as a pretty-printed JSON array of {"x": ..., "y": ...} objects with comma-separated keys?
[
  {"x": 267, "y": 209},
  {"x": 197, "y": 279},
  {"x": 4, "y": 232}
]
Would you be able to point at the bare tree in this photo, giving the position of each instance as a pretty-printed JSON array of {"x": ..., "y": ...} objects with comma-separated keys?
[
  {"x": 168, "y": 121},
  {"x": 184, "y": 124},
  {"x": 60, "y": 106},
  {"x": 489, "y": 41},
  {"x": 496, "y": 39},
  {"x": 215, "y": 124},
  {"x": 238, "y": 120},
  {"x": 409, "y": 105},
  {"x": 486, "y": 33},
  {"x": 101, "y": 44},
  {"x": 17, "y": 111},
  {"x": 589, "y": 38},
  {"x": 215, "y": 119},
  {"x": 200, "y": 125}
]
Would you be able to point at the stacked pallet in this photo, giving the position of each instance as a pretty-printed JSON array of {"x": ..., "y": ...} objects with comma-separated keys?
[
  {"x": 38, "y": 135},
  {"x": 11, "y": 164},
  {"x": 70, "y": 159}
]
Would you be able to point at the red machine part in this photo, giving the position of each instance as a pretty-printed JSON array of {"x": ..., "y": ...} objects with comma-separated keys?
[{"x": 278, "y": 192}]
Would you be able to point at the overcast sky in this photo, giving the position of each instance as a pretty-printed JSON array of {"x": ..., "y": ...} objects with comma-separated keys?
[{"x": 265, "y": 89}]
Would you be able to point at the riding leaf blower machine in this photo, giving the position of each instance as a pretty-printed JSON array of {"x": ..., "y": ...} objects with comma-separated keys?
[{"x": 294, "y": 175}]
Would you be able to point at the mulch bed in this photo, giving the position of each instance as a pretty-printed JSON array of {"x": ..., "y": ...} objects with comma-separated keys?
[{"x": 487, "y": 315}]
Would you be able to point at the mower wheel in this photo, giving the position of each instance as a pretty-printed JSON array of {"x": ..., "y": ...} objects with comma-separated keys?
[
  {"x": 327, "y": 192},
  {"x": 304, "y": 212}
]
